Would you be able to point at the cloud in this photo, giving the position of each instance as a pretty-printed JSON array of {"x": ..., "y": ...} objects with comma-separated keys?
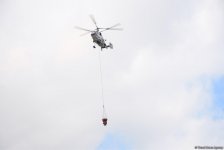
[
  {"x": 171, "y": 85},
  {"x": 157, "y": 82}
]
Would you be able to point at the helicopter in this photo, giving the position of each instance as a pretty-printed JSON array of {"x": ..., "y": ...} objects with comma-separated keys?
[{"x": 97, "y": 36}]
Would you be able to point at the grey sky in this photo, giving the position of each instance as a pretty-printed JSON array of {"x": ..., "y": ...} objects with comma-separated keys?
[{"x": 157, "y": 80}]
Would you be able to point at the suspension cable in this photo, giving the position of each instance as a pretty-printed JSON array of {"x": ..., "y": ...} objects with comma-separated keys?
[{"x": 101, "y": 81}]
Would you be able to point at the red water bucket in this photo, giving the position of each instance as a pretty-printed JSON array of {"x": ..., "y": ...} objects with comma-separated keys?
[{"x": 104, "y": 121}]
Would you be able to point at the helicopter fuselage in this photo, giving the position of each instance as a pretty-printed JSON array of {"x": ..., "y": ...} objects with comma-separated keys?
[{"x": 98, "y": 39}]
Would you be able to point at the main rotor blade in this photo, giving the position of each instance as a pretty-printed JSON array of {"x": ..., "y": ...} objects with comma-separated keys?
[
  {"x": 112, "y": 27},
  {"x": 80, "y": 28},
  {"x": 120, "y": 29},
  {"x": 85, "y": 33},
  {"x": 93, "y": 19},
  {"x": 118, "y": 24}
]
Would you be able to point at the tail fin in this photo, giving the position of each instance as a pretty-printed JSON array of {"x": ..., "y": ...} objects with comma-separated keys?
[{"x": 110, "y": 45}]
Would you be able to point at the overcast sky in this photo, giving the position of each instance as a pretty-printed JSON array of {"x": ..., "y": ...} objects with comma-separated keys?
[{"x": 163, "y": 81}]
